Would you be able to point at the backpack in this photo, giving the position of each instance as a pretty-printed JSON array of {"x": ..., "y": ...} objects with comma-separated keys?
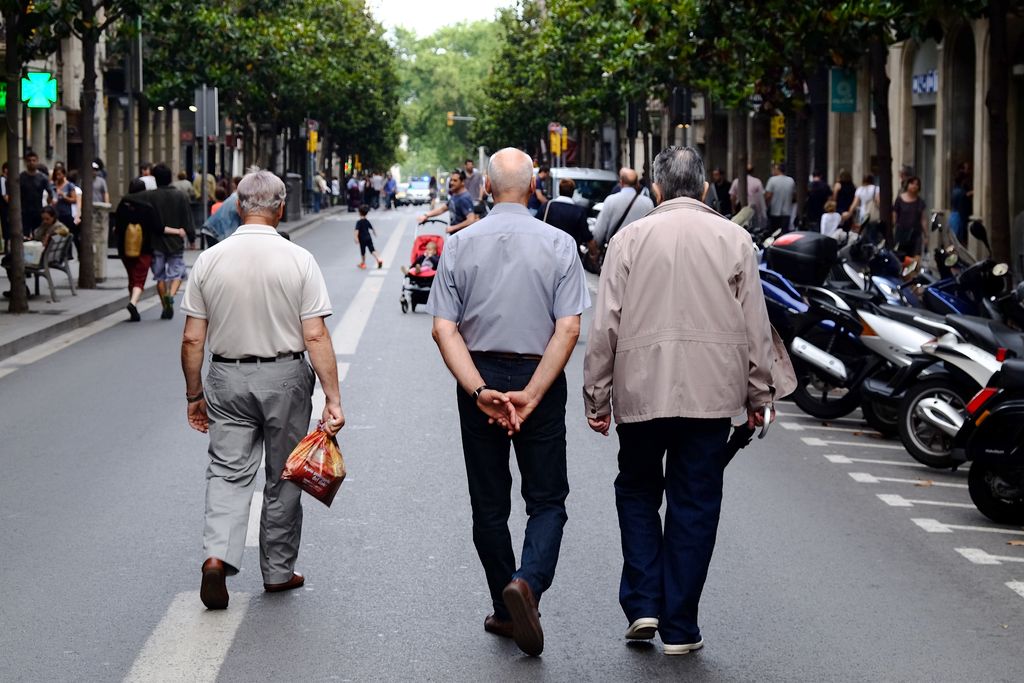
[{"x": 133, "y": 240}]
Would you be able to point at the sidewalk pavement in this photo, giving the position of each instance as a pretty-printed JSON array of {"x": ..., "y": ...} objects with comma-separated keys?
[{"x": 45, "y": 320}]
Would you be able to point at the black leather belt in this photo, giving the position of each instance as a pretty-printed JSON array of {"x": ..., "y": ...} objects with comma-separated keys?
[
  {"x": 256, "y": 359},
  {"x": 506, "y": 356}
]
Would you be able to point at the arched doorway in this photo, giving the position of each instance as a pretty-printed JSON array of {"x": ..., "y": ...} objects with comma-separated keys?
[
  {"x": 924, "y": 88},
  {"x": 961, "y": 106}
]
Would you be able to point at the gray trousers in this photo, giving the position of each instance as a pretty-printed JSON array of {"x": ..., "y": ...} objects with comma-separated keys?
[{"x": 255, "y": 407}]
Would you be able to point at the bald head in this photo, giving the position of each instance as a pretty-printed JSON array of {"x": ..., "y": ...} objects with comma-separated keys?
[
  {"x": 510, "y": 176},
  {"x": 627, "y": 177}
]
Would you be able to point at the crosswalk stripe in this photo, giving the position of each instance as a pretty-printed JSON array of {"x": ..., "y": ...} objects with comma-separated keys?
[
  {"x": 190, "y": 643},
  {"x": 979, "y": 556}
]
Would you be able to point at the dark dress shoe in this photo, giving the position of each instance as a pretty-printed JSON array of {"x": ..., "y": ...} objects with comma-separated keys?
[
  {"x": 522, "y": 606},
  {"x": 295, "y": 582},
  {"x": 214, "y": 589},
  {"x": 499, "y": 627}
]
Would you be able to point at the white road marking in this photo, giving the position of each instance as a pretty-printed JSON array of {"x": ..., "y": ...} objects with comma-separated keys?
[
  {"x": 865, "y": 478},
  {"x": 252, "y": 532},
  {"x": 979, "y": 556},
  {"x": 1017, "y": 587},
  {"x": 319, "y": 400},
  {"x": 843, "y": 460},
  {"x": 190, "y": 643},
  {"x": 811, "y": 418},
  {"x": 934, "y": 526},
  {"x": 814, "y": 441},
  {"x": 793, "y": 427},
  {"x": 898, "y": 501},
  {"x": 350, "y": 328},
  {"x": 18, "y": 361}
]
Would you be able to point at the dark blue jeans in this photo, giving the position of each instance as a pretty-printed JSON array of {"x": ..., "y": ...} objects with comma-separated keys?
[
  {"x": 663, "y": 571},
  {"x": 540, "y": 453}
]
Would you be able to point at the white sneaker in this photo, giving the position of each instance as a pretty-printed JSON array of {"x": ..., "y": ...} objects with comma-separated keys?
[
  {"x": 683, "y": 648},
  {"x": 643, "y": 628}
]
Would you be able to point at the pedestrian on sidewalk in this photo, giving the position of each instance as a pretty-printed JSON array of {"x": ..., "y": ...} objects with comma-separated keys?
[
  {"x": 33, "y": 185},
  {"x": 506, "y": 302},
  {"x": 138, "y": 228},
  {"x": 319, "y": 189},
  {"x": 169, "y": 250},
  {"x": 755, "y": 198},
  {"x": 256, "y": 400},
  {"x": 5, "y": 208},
  {"x": 364, "y": 238},
  {"x": 674, "y": 373}
]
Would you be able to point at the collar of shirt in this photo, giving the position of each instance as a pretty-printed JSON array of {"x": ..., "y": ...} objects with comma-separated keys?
[
  {"x": 256, "y": 229},
  {"x": 564, "y": 199},
  {"x": 683, "y": 203},
  {"x": 510, "y": 207}
]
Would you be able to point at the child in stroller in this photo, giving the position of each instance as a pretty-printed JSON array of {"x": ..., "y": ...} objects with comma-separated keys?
[{"x": 419, "y": 275}]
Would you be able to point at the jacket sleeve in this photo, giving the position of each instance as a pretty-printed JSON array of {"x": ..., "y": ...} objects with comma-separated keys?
[
  {"x": 760, "y": 390},
  {"x": 599, "y": 363}
]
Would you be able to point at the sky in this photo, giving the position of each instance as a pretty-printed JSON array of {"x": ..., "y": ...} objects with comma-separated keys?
[{"x": 426, "y": 16}]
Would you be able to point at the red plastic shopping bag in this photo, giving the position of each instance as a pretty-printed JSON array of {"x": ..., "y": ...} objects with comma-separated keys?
[{"x": 316, "y": 465}]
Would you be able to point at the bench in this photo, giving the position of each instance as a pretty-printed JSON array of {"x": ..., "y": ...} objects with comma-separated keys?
[{"x": 58, "y": 250}]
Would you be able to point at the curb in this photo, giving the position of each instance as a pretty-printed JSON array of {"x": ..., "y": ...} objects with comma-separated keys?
[{"x": 60, "y": 327}]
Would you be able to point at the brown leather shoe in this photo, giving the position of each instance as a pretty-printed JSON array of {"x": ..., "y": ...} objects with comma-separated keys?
[
  {"x": 522, "y": 606},
  {"x": 295, "y": 582},
  {"x": 498, "y": 627},
  {"x": 214, "y": 590}
]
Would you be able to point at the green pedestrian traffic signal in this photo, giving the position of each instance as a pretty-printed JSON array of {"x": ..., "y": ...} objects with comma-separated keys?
[{"x": 39, "y": 90}]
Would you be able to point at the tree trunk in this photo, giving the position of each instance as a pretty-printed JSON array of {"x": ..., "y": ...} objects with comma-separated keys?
[
  {"x": 87, "y": 255},
  {"x": 645, "y": 130},
  {"x": 802, "y": 150},
  {"x": 877, "y": 56},
  {"x": 999, "y": 142},
  {"x": 738, "y": 151},
  {"x": 12, "y": 63}
]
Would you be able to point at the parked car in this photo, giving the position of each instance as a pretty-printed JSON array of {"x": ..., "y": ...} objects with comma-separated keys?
[
  {"x": 593, "y": 185},
  {"x": 418, "y": 192},
  {"x": 401, "y": 192}
]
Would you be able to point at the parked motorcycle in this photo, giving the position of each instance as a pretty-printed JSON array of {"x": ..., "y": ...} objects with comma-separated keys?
[{"x": 992, "y": 439}]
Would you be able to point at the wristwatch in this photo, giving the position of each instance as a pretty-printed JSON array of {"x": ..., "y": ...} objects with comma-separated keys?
[{"x": 480, "y": 390}]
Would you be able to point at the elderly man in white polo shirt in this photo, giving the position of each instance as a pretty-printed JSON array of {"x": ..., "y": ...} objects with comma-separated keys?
[{"x": 259, "y": 302}]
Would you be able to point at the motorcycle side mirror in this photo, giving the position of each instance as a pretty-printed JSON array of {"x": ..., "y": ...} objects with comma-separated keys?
[
  {"x": 979, "y": 232},
  {"x": 1000, "y": 269},
  {"x": 951, "y": 260}
]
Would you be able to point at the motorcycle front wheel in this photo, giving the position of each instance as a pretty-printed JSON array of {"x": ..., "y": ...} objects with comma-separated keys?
[{"x": 998, "y": 493}]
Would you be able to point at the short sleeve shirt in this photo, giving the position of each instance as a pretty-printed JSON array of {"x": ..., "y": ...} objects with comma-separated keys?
[
  {"x": 254, "y": 289},
  {"x": 506, "y": 279},
  {"x": 459, "y": 207},
  {"x": 474, "y": 184},
  {"x": 782, "y": 188}
]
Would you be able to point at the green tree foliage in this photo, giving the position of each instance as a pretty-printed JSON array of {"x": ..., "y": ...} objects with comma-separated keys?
[
  {"x": 279, "y": 62},
  {"x": 442, "y": 73},
  {"x": 516, "y": 106}
]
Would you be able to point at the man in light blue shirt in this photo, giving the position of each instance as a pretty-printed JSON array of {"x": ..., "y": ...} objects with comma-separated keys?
[{"x": 506, "y": 302}]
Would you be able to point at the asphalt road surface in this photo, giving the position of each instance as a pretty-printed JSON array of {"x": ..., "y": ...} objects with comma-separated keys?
[{"x": 838, "y": 557}]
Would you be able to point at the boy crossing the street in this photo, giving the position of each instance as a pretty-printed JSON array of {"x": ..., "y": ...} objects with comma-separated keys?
[{"x": 364, "y": 238}]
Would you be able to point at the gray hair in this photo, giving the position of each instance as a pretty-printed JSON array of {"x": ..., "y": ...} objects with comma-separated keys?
[
  {"x": 510, "y": 171},
  {"x": 260, "y": 193},
  {"x": 679, "y": 172}
]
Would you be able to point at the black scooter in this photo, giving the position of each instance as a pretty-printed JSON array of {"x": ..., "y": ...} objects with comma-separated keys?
[{"x": 992, "y": 439}]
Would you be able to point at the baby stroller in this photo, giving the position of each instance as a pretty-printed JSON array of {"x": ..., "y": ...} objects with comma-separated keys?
[{"x": 416, "y": 286}]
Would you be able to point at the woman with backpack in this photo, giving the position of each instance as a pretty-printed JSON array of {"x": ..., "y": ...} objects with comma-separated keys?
[{"x": 138, "y": 225}]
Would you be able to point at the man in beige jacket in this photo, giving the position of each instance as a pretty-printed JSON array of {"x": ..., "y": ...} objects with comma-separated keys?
[{"x": 680, "y": 343}]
